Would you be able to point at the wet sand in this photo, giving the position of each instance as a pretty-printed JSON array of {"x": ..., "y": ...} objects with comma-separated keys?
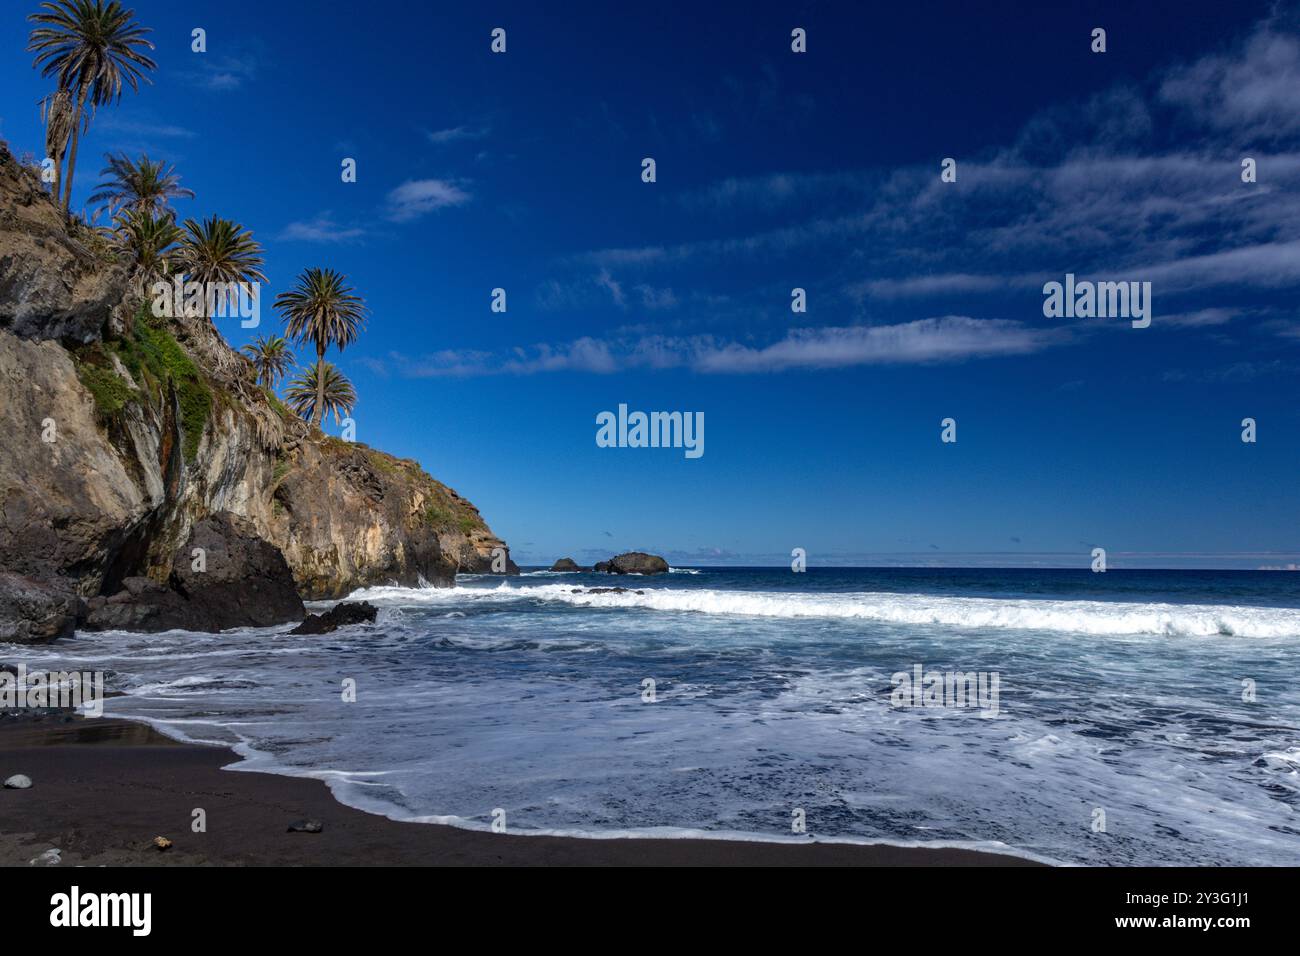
[{"x": 104, "y": 789}]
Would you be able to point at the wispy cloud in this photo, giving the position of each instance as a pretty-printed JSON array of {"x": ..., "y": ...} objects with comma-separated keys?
[
  {"x": 954, "y": 283},
  {"x": 947, "y": 339},
  {"x": 1250, "y": 92},
  {"x": 778, "y": 189},
  {"x": 321, "y": 229},
  {"x": 455, "y": 134},
  {"x": 600, "y": 288},
  {"x": 144, "y": 126},
  {"x": 419, "y": 197},
  {"x": 1237, "y": 372},
  {"x": 221, "y": 73},
  {"x": 952, "y": 338},
  {"x": 1201, "y": 318},
  {"x": 1089, "y": 187}
]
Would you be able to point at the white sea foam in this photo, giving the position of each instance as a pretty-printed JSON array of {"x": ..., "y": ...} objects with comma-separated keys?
[{"x": 1078, "y": 617}]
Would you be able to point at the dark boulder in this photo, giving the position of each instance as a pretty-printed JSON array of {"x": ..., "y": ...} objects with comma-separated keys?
[
  {"x": 225, "y": 576},
  {"x": 634, "y": 562},
  {"x": 33, "y": 612},
  {"x": 565, "y": 564},
  {"x": 141, "y": 605},
  {"x": 340, "y": 615}
]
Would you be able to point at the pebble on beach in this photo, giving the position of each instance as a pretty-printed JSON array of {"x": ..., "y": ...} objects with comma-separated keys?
[
  {"x": 50, "y": 857},
  {"x": 306, "y": 826},
  {"x": 162, "y": 843},
  {"x": 18, "y": 782}
]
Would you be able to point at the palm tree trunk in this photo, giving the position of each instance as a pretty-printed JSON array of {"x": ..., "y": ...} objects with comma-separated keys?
[
  {"x": 72, "y": 154},
  {"x": 319, "y": 411},
  {"x": 57, "y": 189}
]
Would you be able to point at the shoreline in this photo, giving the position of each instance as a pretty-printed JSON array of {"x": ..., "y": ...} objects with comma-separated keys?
[{"x": 104, "y": 787}]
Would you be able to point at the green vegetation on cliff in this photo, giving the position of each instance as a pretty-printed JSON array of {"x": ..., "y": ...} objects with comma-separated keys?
[
  {"x": 106, "y": 387},
  {"x": 154, "y": 358}
]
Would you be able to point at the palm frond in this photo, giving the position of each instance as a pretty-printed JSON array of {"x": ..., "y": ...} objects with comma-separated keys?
[
  {"x": 322, "y": 309},
  {"x": 219, "y": 252},
  {"x": 143, "y": 184},
  {"x": 271, "y": 358},
  {"x": 90, "y": 45},
  {"x": 151, "y": 242}
]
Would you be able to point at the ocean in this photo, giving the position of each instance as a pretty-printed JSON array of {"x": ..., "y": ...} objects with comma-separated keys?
[{"x": 1142, "y": 717}]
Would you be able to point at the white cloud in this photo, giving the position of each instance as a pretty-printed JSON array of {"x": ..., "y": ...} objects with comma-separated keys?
[{"x": 418, "y": 197}]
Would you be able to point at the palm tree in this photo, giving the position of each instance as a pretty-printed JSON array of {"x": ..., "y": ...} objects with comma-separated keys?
[
  {"x": 150, "y": 240},
  {"x": 91, "y": 46},
  {"x": 321, "y": 388},
  {"x": 145, "y": 185},
  {"x": 219, "y": 251},
  {"x": 272, "y": 359},
  {"x": 56, "y": 114},
  {"x": 322, "y": 310}
]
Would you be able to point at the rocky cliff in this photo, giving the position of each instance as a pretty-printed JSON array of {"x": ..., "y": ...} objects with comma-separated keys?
[{"x": 122, "y": 431}]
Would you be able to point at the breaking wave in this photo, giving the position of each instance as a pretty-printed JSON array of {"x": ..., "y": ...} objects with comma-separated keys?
[{"x": 1078, "y": 617}]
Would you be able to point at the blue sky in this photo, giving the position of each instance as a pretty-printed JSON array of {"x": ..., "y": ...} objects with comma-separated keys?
[{"x": 776, "y": 170}]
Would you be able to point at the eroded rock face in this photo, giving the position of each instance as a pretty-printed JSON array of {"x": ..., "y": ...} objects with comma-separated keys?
[
  {"x": 634, "y": 562},
  {"x": 68, "y": 500},
  {"x": 224, "y": 576},
  {"x": 347, "y": 517},
  {"x": 52, "y": 286}
]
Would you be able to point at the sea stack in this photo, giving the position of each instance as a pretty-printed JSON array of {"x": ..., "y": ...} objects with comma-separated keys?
[{"x": 633, "y": 562}]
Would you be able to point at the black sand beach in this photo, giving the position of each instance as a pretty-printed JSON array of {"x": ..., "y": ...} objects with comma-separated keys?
[{"x": 103, "y": 789}]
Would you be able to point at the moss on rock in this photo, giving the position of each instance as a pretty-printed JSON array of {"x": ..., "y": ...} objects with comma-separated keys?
[
  {"x": 154, "y": 357},
  {"x": 109, "y": 391}
]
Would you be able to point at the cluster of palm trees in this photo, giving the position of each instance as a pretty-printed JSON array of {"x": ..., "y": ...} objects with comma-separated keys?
[
  {"x": 320, "y": 310},
  {"x": 93, "y": 47}
]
